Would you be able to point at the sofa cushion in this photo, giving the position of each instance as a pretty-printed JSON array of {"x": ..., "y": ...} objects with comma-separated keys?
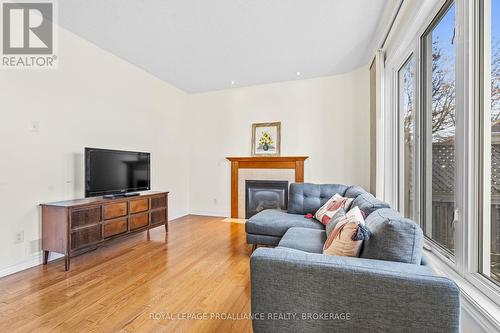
[
  {"x": 276, "y": 223},
  {"x": 368, "y": 203},
  {"x": 304, "y": 239},
  {"x": 393, "y": 238},
  {"x": 354, "y": 191},
  {"x": 263, "y": 239},
  {"x": 304, "y": 198}
]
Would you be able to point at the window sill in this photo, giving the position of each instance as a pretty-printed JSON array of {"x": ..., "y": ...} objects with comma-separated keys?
[{"x": 479, "y": 306}]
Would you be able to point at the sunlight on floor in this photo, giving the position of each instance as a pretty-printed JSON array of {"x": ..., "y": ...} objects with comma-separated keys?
[{"x": 231, "y": 220}]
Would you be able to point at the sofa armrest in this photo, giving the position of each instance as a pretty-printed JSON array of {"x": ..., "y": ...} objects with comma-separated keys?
[{"x": 295, "y": 291}]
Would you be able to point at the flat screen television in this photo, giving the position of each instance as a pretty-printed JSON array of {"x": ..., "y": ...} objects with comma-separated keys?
[{"x": 111, "y": 172}]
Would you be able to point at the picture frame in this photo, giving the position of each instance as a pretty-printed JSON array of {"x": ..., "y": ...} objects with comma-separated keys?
[{"x": 266, "y": 139}]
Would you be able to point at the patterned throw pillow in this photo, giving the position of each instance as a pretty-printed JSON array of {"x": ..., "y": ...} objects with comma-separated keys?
[
  {"x": 339, "y": 216},
  {"x": 326, "y": 212},
  {"x": 347, "y": 237}
]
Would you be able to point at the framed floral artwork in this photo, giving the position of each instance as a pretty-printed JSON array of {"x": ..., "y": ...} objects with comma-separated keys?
[{"x": 266, "y": 139}]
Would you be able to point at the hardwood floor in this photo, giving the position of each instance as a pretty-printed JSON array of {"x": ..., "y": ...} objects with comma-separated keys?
[{"x": 199, "y": 268}]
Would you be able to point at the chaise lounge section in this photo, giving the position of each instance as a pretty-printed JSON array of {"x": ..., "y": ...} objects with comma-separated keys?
[{"x": 269, "y": 226}]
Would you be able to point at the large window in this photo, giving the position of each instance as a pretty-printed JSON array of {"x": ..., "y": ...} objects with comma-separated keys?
[
  {"x": 490, "y": 143},
  {"x": 406, "y": 84},
  {"x": 448, "y": 129},
  {"x": 439, "y": 125}
]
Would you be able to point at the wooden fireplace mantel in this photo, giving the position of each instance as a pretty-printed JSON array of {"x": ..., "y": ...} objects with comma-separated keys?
[{"x": 262, "y": 162}]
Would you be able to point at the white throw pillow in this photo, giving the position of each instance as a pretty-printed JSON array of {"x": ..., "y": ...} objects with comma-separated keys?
[
  {"x": 342, "y": 240},
  {"x": 326, "y": 212}
]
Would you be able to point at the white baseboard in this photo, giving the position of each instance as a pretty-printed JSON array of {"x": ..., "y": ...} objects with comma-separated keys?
[
  {"x": 32, "y": 261},
  {"x": 177, "y": 215},
  {"x": 210, "y": 213}
]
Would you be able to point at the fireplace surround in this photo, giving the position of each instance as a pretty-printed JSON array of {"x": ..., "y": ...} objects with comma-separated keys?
[
  {"x": 265, "y": 194},
  {"x": 296, "y": 163}
]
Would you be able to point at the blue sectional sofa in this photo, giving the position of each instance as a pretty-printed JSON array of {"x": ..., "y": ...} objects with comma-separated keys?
[{"x": 389, "y": 288}]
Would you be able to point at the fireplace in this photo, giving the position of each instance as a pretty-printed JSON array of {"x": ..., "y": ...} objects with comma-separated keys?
[
  {"x": 265, "y": 194},
  {"x": 269, "y": 167}
]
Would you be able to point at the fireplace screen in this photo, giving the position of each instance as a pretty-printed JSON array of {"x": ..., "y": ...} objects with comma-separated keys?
[{"x": 265, "y": 194}]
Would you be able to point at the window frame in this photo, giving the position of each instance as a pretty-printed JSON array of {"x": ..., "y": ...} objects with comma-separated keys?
[
  {"x": 444, "y": 254},
  {"x": 468, "y": 147},
  {"x": 482, "y": 63},
  {"x": 482, "y": 79},
  {"x": 409, "y": 55}
]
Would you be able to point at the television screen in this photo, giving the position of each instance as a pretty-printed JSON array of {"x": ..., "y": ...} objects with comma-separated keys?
[{"x": 115, "y": 171}]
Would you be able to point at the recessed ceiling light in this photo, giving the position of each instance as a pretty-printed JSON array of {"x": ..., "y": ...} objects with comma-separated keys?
[{"x": 298, "y": 73}]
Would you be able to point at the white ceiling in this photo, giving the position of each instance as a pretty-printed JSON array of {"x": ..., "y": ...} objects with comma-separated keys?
[{"x": 203, "y": 45}]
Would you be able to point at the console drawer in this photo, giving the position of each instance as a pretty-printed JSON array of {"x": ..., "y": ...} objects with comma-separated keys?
[
  {"x": 139, "y": 205},
  {"x": 85, "y": 236},
  {"x": 116, "y": 227},
  {"x": 85, "y": 216},
  {"x": 159, "y": 216},
  {"x": 138, "y": 221},
  {"x": 115, "y": 210},
  {"x": 159, "y": 201}
]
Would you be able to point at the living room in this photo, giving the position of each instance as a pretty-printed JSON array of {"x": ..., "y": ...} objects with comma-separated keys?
[{"x": 239, "y": 166}]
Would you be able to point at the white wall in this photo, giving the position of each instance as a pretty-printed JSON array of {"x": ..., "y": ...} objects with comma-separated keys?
[
  {"x": 325, "y": 118},
  {"x": 96, "y": 99},
  {"x": 93, "y": 99}
]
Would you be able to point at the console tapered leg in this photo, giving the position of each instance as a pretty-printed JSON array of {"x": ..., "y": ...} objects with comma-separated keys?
[
  {"x": 66, "y": 263},
  {"x": 45, "y": 257}
]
